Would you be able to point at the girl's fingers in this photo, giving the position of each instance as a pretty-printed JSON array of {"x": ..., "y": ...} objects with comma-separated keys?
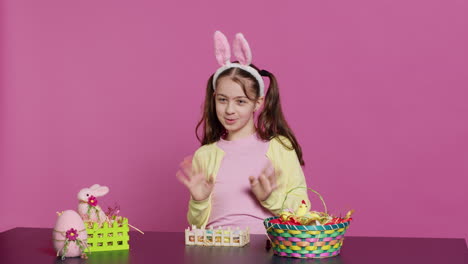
[
  {"x": 270, "y": 175},
  {"x": 255, "y": 187},
  {"x": 270, "y": 168},
  {"x": 188, "y": 158},
  {"x": 265, "y": 183},
  {"x": 253, "y": 181},
  {"x": 269, "y": 172},
  {"x": 211, "y": 180},
  {"x": 187, "y": 169},
  {"x": 201, "y": 175},
  {"x": 181, "y": 177},
  {"x": 272, "y": 180},
  {"x": 278, "y": 172},
  {"x": 185, "y": 162}
]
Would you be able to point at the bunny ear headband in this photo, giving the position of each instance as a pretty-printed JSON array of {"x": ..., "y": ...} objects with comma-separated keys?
[{"x": 242, "y": 53}]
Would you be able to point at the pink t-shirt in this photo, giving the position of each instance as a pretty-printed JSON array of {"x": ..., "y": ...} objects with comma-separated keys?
[{"x": 233, "y": 203}]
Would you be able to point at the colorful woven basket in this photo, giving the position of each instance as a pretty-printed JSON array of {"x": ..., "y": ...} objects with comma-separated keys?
[{"x": 306, "y": 241}]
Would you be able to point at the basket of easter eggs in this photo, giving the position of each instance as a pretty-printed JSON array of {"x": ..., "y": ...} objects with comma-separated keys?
[{"x": 306, "y": 234}]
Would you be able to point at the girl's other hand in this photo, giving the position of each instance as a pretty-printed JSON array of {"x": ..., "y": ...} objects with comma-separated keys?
[
  {"x": 199, "y": 186},
  {"x": 265, "y": 183}
]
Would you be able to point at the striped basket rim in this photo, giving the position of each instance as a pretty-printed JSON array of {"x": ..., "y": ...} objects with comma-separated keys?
[{"x": 269, "y": 225}]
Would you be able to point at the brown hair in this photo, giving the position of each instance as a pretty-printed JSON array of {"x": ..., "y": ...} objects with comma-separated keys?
[{"x": 271, "y": 122}]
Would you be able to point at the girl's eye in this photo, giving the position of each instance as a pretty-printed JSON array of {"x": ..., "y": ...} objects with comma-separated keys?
[
  {"x": 241, "y": 101},
  {"x": 222, "y": 99}
]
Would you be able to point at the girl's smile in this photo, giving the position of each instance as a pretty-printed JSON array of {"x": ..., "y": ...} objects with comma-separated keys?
[{"x": 230, "y": 121}]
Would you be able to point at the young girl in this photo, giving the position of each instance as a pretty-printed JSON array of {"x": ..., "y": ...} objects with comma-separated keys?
[{"x": 240, "y": 174}]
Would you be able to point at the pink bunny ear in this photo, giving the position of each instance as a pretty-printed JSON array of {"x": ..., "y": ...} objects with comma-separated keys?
[
  {"x": 241, "y": 50},
  {"x": 101, "y": 191},
  {"x": 95, "y": 186},
  {"x": 222, "y": 49}
]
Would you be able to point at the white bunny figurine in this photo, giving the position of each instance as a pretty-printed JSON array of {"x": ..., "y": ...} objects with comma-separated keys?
[{"x": 88, "y": 208}]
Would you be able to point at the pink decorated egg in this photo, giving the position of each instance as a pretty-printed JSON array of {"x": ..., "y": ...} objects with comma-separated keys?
[{"x": 69, "y": 235}]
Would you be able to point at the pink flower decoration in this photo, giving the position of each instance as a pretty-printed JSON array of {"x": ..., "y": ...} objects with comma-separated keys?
[
  {"x": 113, "y": 211},
  {"x": 92, "y": 201},
  {"x": 71, "y": 234}
]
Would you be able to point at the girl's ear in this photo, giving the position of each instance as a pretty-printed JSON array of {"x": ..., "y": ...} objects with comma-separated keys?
[
  {"x": 259, "y": 103},
  {"x": 222, "y": 49},
  {"x": 241, "y": 50}
]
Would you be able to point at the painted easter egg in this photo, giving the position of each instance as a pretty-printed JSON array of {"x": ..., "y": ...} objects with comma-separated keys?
[{"x": 69, "y": 235}]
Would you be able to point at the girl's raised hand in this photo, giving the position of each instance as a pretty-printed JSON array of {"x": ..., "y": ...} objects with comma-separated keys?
[
  {"x": 199, "y": 186},
  {"x": 264, "y": 184}
]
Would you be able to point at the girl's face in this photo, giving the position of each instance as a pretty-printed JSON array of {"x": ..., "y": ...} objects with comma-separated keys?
[{"x": 234, "y": 109}]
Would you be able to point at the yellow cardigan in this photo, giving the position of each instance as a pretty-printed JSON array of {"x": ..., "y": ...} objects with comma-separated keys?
[{"x": 208, "y": 159}]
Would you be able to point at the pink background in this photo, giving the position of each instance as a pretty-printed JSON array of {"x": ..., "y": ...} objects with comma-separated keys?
[{"x": 110, "y": 92}]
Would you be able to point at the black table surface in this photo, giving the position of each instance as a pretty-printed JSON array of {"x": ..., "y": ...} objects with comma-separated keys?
[{"x": 34, "y": 245}]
